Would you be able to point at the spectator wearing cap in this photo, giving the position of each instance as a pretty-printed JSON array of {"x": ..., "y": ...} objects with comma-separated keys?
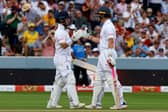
[
  {"x": 161, "y": 54},
  {"x": 50, "y": 19},
  {"x": 60, "y": 12},
  {"x": 79, "y": 53},
  {"x": 95, "y": 53},
  {"x": 145, "y": 39},
  {"x": 79, "y": 19},
  {"x": 30, "y": 36},
  {"x": 71, "y": 10},
  {"x": 31, "y": 14},
  {"x": 88, "y": 50},
  {"x": 12, "y": 20},
  {"x": 149, "y": 12}
]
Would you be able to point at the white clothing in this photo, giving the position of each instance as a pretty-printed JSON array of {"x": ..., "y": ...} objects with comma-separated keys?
[
  {"x": 61, "y": 36},
  {"x": 107, "y": 31}
]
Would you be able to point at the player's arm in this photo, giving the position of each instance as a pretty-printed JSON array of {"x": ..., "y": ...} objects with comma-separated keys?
[
  {"x": 66, "y": 43},
  {"x": 110, "y": 59},
  {"x": 94, "y": 39}
]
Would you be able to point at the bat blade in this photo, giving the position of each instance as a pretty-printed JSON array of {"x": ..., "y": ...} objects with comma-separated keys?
[{"x": 85, "y": 65}]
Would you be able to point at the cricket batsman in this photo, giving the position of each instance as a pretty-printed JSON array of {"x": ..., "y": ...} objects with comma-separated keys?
[
  {"x": 106, "y": 69},
  {"x": 64, "y": 74}
]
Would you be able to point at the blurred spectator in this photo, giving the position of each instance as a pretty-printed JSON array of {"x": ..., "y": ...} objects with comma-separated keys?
[
  {"x": 80, "y": 73},
  {"x": 127, "y": 52},
  {"x": 2, "y": 5},
  {"x": 37, "y": 46},
  {"x": 161, "y": 53},
  {"x": 31, "y": 14},
  {"x": 155, "y": 5},
  {"x": 30, "y": 36},
  {"x": 149, "y": 12},
  {"x": 22, "y": 27},
  {"x": 121, "y": 7},
  {"x": 136, "y": 34},
  {"x": 144, "y": 37},
  {"x": 48, "y": 45},
  {"x": 71, "y": 10},
  {"x": 144, "y": 19},
  {"x": 86, "y": 9},
  {"x": 0, "y": 44},
  {"x": 12, "y": 21},
  {"x": 79, "y": 3},
  {"x": 42, "y": 9},
  {"x": 120, "y": 43},
  {"x": 60, "y": 12},
  {"x": 155, "y": 47},
  {"x": 151, "y": 54},
  {"x": 50, "y": 19},
  {"x": 140, "y": 49},
  {"x": 80, "y": 20},
  {"x": 94, "y": 19},
  {"x": 165, "y": 47},
  {"x": 95, "y": 53},
  {"x": 129, "y": 41},
  {"x": 88, "y": 50},
  {"x": 152, "y": 34},
  {"x": 164, "y": 7}
]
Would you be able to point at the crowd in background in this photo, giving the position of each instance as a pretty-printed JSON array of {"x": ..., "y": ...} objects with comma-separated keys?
[{"x": 27, "y": 26}]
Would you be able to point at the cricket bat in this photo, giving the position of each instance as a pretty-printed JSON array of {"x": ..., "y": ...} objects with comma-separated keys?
[
  {"x": 85, "y": 65},
  {"x": 116, "y": 89}
]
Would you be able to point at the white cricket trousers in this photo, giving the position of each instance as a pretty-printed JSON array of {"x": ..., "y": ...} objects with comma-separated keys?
[{"x": 64, "y": 76}]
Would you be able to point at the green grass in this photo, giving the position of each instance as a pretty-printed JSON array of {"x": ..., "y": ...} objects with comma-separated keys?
[{"x": 138, "y": 102}]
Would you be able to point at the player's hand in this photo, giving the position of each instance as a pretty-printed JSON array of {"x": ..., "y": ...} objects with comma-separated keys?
[{"x": 64, "y": 45}]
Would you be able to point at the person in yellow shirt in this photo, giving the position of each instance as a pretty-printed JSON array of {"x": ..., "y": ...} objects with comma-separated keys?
[
  {"x": 30, "y": 36},
  {"x": 129, "y": 40},
  {"x": 50, "y": 19}
]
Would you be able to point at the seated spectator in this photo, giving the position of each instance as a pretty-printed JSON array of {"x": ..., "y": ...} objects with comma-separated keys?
[
  {"x": 88, "y": 49},
  {"x": 60, "y": 11},
  {"x": 50, "y": 19},
  {"x": 37, "y": 46},
  {"x": 144, "y": 37},
  {"x": 29, "y": 38},
  {"x": 95, "y": 53},
  {"x": 161, "y": 54},
  {"x": 129, "y": 41},
  {"x": 79, "y": 19},
  {"x": 12, "y": 21},
  {"x": 48, "y": 44},
  {"x": 127, "y": 52},
  {"x": 140, "y": 49},
  {"x": 151, "y": 54},
  {"x": 155, "y": 47},
  {"x": 22, "y": 27},
  {"x": 152, "y": 34},
  {"x": 42, "y": 9},
  {"x": 164, "y": 7}
]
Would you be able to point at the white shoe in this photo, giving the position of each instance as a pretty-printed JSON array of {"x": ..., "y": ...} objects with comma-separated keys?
[
  {"x": 49, "y": 106},
  {"x": 115, "y": 107},
  {"x": 80, "y": 105},
  {"x": 93, "y": 107}
]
